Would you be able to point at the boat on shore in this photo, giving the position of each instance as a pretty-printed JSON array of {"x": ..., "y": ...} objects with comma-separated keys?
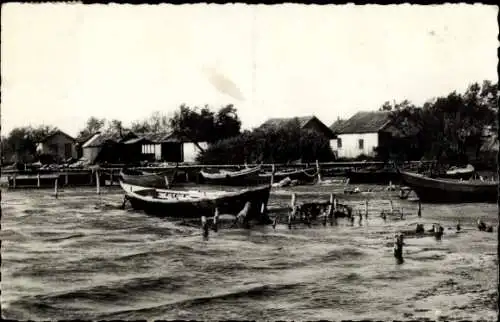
[
  {"x": 146, "y": 179},
  {"x": 194, "y": 204},
  {"x": 438, "y": 190},
  {"x": 231, "y": 178},
  {"x": 464, "y": 173},
  {"x": 374, "y": 176},
  {"x": 302, "y": 175}
]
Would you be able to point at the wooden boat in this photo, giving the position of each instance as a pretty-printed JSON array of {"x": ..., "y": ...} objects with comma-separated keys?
[
  {"x": 234, "y": 178},
  {"x": 380, "y": 176},
  {"x": 303, "y": 175},
  {"x": 140, "y": 178},
  {"x": 434, "y": 190},
  {"x": 192, "y": 204},
  {"x": 460, "y": 173}
]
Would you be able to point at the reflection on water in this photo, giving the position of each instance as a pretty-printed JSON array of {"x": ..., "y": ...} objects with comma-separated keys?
[{"x": 81, "y": 257}]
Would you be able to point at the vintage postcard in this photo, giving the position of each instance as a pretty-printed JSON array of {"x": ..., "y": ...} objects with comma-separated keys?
[{"x": 249, "y": 162}]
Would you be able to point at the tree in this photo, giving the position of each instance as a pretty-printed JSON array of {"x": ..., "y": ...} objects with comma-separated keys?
[
  {"x": 448, "y": 128},
  {"x": 92, "y": 126},
  {"x": 200, "y": 125},
  {"x": 21, "y": 143},
  {"x": 114, "y": 127},
  {"x": 273, "y": 145},
  {"x": 156, "y": 123},
  {"x": 386, "y": 106},
  {"x": 227, "y": 123}
]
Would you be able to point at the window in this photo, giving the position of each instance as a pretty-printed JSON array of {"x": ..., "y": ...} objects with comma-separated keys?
[
  {"x": 339, "y": 143},
  {"x": 361, "y": 144},
  {"x": 148, "y": 149}
]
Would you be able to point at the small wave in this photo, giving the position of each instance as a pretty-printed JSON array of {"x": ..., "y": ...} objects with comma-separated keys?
[
  {"x": 113, "y": 292},
  {"x": 252, "y": 292},
  {"x": 56, "y": 239},
  {"x": 343, "y": 253},
  {"x": 35, "y": 211}
]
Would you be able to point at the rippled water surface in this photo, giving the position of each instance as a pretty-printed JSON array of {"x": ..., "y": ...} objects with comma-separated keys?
[{"x": 80, "y": 256}]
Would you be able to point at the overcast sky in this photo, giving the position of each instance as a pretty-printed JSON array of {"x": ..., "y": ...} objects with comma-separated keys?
[{"x": 63, "y": 63}]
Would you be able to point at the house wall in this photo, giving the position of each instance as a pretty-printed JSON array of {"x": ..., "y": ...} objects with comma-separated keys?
[
  {"x": 91, "y": 153},
  {"x": 56, "y": 146},
  {"x": 190, "y": 150},
  {"x": 350, "y": 145}
]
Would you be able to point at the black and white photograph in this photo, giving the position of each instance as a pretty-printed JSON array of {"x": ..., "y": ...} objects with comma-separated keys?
[{"x": 282, "y": 162}]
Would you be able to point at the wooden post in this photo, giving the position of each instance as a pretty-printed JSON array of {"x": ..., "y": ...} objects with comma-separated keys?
[
  {"x": 318, "y": 170},
  {"x": 273, "y": 171},
  {"x": 187, "y": 176},
  {"x": 56, "y": 184},
  {"x": 97, "y": 182},
  {"x": 402, "y": 213},
  {"x": 111, "y": 178},
  {"x": 366, "y": 207},
  {"x": 38, "y": 180},
  {"x": 14, "y": 181},
  {"x": 91, "y": 176},
  {"x": 335, "y": 204},
  {"x": 216, "y": 216},
  {"x": 66, "y": 178},
  {"x": 294, "y": 199},
  {"x": 392, "y": 207},
  {"x": 419, "y": 208}
]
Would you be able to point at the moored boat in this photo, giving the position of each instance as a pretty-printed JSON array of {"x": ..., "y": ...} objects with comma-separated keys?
[
  {"x": 464, "y": 173},
  {"x": 303, "y": 175},
  {"x": 435, "y": 190},
  {"x": 193, "y": 204},
  {"x": 233, "y": 178},
  {"x": 140, "y": 178},
  {"x": 380, "y": 176}
]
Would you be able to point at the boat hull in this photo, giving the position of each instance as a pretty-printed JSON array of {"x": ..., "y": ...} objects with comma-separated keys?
[
  {"x": 149, "y": 180},
  {"x": 238, "y": 178},
  {"x": 378, "y": 176},
  {"x": 450, "y": 191},
  {"x": 226, "y": 203},
  {"x": 307, "y": 175}
]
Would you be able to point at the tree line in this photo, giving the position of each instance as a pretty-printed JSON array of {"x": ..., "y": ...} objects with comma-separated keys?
[{"x": 446, "y": 129}]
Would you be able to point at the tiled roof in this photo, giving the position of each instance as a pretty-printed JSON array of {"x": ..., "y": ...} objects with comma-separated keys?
[
  {"x": 55, "y": 133},
  {"x": 280, "y": 122},
  {"x": 362, "y": 122}
]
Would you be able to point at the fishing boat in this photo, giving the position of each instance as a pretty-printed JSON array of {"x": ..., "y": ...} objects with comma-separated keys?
[
  {"x": 380, "y": 176},
  {"x": 303, "y": 175},
  {"x": 234, "y": 178},
  {"x": 439, "y": 190},
  {"x": 464, "y": 173},
  {"x": 193, "y": 203},
  {"x": 141, "y": 178}
]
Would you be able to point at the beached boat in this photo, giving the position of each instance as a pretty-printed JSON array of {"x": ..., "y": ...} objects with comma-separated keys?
[
  {"x": 303, "y": 175},
  {"x": 189, "y": 204},
  {"x": 140, "y": 178},
  {"x": 380, "y": 176},
  {"x": 234, "y": 178},
  {"x": 435, "y": 190},
  {"x": 464, "y": 173}
]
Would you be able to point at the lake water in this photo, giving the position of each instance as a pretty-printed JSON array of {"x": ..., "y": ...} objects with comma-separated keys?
[{"x": 81, "y": 257}]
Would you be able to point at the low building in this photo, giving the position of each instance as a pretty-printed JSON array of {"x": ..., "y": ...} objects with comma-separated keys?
[
  {"x": 57, "y": 145},
  {"x": 167, "y": 147},
  {"x": 362, "y": 134},
  {"x": 105, "y": 147},
  {"x": 310, "y": 122}
]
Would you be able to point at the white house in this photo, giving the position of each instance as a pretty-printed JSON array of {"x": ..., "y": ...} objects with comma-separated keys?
[{"x": 360, "y": 134}]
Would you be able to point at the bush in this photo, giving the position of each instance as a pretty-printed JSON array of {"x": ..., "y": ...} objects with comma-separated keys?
[{"x": 282, "y": 145}]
